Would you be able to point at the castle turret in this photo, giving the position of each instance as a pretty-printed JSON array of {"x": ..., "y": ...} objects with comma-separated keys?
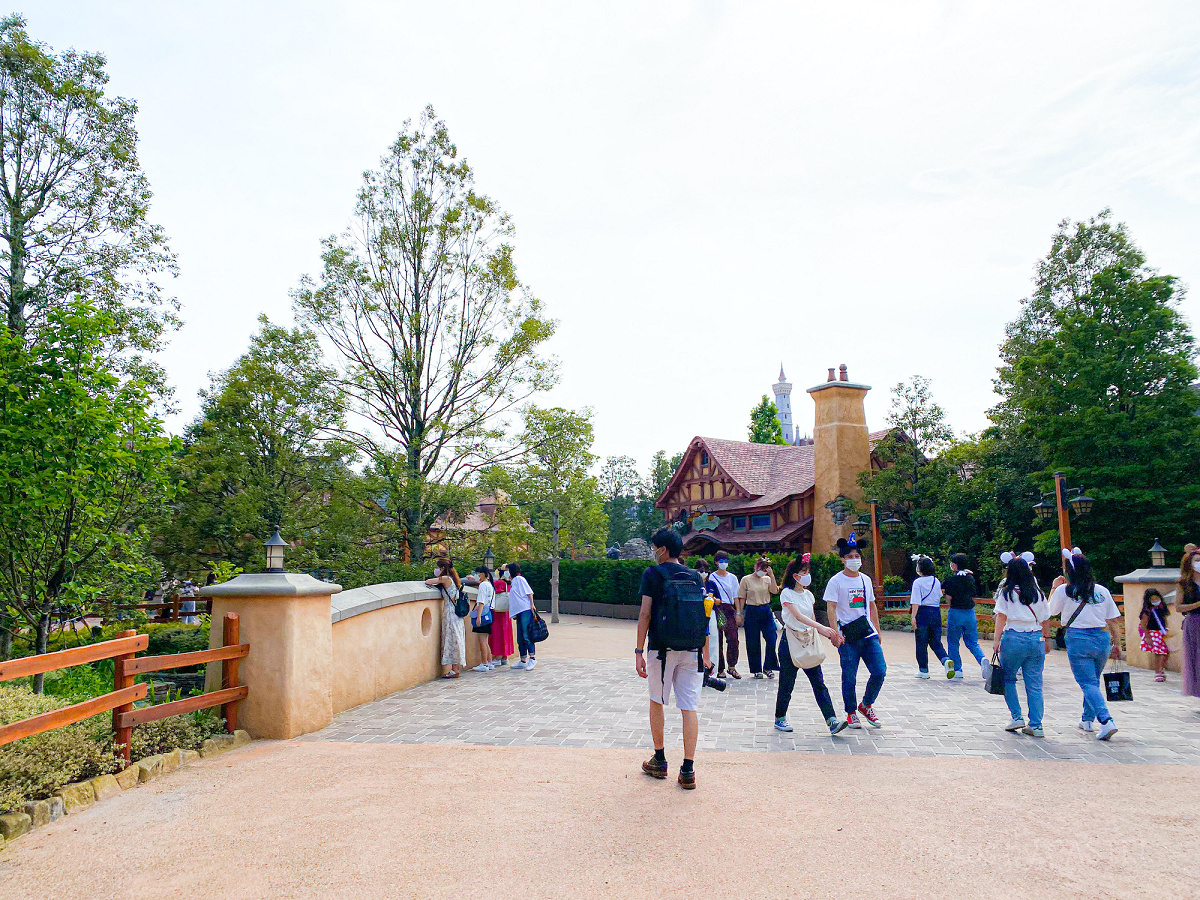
[
  {"x": 842, "y": 450},
  {"x": 783, "y": 403}
]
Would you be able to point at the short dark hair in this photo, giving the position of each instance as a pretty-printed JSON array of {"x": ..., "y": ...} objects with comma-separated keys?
[
  {"x": 960, "y": 560},
  {"x": 925, "y": 566},
  {"x": 670, "y": 539},
  {"x": 514, "y": 569}
]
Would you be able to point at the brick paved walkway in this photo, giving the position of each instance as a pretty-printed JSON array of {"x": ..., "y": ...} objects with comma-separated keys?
[{"x": 602, "y": 703}]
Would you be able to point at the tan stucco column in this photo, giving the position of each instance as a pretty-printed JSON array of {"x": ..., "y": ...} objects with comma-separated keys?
[
  {"x": 285, "y": 618},
  {"x": 841, "y": 449},
  {"x": 1135, "y": 585}
]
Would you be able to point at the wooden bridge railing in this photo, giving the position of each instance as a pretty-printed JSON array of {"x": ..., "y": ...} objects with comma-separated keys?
[{"x": 122, "y": 650}]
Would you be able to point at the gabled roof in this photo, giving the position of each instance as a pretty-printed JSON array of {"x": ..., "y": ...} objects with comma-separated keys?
[{"x": 769, "y": 473}]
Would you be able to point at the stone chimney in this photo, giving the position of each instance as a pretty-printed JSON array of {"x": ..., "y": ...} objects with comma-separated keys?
[{"x": 841, "y": 450}]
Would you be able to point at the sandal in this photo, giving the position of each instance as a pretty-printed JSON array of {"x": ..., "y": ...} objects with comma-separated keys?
[
  {"x": 450, "y": 675},
  {"x": 1160, "y": 677},
  {"x": 733, "y": 673}
]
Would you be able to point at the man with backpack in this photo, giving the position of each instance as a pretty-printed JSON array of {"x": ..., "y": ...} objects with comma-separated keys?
[{"x": 674, "y": 619}]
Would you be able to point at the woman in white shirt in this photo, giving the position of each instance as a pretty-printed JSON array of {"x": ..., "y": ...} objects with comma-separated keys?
[
  {"x": 520, "y": 607},
  {"x": 926, "y": 603},
  {"x": 1021, "y": 638},
  {"x": 1090, "y": 616},
  {"x": 481, "y": 610},
  {"x": 797, "y": 601}
]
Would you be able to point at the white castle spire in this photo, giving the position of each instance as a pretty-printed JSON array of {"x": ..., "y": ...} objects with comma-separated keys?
[{"x": 783, "y": 402}]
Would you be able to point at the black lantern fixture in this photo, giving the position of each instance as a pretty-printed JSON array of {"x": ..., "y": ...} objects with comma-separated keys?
[
  {"x": 1045, "y": 511},
  {"x": 275, "y": 548},
  {"x": 891, "y": 524},
  {"x": 1158, "y": 555},
  {"x": 864, "y": 522},
  {"x": 489, "y": 560},
  {"x": 1082, "y": 504}
]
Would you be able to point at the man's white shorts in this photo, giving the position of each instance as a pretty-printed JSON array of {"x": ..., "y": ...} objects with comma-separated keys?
[{"x": 682, "y": 677}]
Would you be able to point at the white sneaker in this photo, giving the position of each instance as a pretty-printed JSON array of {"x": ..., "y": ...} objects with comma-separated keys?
[
  {"x": 482, "y": 667},
  {"x": 1085, "y": 726},
  {"x": 921, "y": 674},
  {"x": 490, "y": 666},
  {"x": 518, "y": 665},
  {"x": 949, "y": 664},
  {"x": 1107, "y": 730},
  {"x": 532, "y": 663},
  {"x": 1015, "y": 725}
]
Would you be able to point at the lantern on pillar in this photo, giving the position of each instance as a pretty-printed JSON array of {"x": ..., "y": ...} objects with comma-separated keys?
[{"x": 275, "y": 547}]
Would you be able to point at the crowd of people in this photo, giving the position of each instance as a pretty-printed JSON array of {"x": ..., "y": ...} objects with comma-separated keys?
[{"x": 673, "y": 637}]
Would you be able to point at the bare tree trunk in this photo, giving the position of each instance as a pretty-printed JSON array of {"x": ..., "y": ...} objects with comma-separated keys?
[
  {"x": 42, "y": 640},
  {"x": 554, "y": 573}
]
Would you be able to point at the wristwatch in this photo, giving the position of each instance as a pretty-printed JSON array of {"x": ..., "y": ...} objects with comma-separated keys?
[{"x": 638, "y": 652}]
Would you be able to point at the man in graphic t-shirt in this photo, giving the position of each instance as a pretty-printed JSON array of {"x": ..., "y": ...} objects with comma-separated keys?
[{"x": 850, "y": 599}]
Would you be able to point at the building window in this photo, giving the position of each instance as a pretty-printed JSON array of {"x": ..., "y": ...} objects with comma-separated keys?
[
  {"x": 704, "y": 457},
  {"x": 762, "y": 523},
  {"x": 739, "y": 523}
]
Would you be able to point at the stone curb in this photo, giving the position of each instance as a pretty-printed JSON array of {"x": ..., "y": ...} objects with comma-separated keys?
[{"x": 73, "y": 798}]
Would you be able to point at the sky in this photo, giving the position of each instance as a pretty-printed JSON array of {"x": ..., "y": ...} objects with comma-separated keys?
[{"x": 701, "y": 191}]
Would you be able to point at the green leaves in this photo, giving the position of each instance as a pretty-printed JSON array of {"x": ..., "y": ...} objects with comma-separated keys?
[{"x": 764, "y": 424}]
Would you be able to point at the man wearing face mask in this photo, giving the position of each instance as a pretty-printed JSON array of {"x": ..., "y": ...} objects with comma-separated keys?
[
  {"x": 723, "y": 585},
  {"x": 852, "y": 598}
]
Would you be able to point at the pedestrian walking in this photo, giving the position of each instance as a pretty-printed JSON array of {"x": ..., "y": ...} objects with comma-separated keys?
[
  {"x": 187, "y": 595},
  {"x": 926, "y": 604},
  {"x": 852, "y": 598},
  {"x": 673, "y": 622},
  {"x": 482, "y": 617},
  {"x": 754, "y": 598},
  {"x": 961, "y": 622},
  {"x": 1021, "y": 639},
  {"x": 520, "y": 607},
  {"x": 799, "y": 618},
  {"x": 1091, "y": 619},
  {"x": 1187, "y": 604},
  {"x": 724, "y": 586},
  {"x": 501, "y": 638},
  {"x": 1152, "y": 626},
  {"x": 454, "y": 636}
]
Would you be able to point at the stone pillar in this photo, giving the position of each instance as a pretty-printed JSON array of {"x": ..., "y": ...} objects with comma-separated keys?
[
  {"x": 285, "y": 618},
  {"x": 841, "y": 449},
  {"x": 1135, "y": 585}
]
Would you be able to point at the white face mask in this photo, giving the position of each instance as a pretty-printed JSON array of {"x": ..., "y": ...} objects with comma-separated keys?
[
  {"x": 852, "y": 564},
  {"x": 805, "y": 580},
  {"x": 762, "y": 574},
  {"x": 1157, "y": 601},
  {"x": 722, "y": 564},
  {"x": 507, "y": 577}
]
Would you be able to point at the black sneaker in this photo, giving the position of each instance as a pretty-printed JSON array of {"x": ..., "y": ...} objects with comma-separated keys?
[
  {"x": 654, "y": 768},
  {"x": 687, "y": 780}
]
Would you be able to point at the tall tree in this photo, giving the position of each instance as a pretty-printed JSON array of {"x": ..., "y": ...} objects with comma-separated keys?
[
  {"x": 75, "y": 199},
  {"x": 764, "y": 424},
  {"x": 623, "y": 491},
  {"x": 84, "y": 467},
  {"x": 438, "y": 337},
  {"x": 1098, "y": 371}
]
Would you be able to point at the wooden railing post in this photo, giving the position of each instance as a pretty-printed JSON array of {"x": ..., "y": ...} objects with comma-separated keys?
[
  {"x": 122, "y": 736},
  {"x": 230, "y": 637},
  {"x": 175, "y": 608}
]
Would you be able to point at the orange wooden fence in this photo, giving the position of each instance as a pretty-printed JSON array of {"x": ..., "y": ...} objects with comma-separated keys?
[{"x": 125, "y": 693}]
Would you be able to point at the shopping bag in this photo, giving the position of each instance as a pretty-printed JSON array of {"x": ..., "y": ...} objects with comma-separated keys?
[
  {"x": 1117, "y": 686},
  {"x": 993, "y": 681}
]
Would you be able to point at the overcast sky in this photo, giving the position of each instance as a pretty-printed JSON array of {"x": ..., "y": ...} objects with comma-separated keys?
[{"x": 701, "y": 191}]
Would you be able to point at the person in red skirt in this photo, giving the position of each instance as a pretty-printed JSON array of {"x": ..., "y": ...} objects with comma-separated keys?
[
  {"x": 1153, "y": 627},
  {"x": 501, "y": 638}
]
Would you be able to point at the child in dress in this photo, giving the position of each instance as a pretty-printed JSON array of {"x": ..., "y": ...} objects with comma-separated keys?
[{"x": 1152, "y": 625}]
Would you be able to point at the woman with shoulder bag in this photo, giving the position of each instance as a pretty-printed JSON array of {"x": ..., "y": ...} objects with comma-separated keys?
[
  {"x": 454, "y": 635},
  {"x": 501, "y": 638},
  {"x": 482, "y": 617},
  {"x": 1091, "y": 618},
  {"x": 800, "y": 620},
  {"x": 1021, "y": 638},
  {"x": 926, "y": 604}
]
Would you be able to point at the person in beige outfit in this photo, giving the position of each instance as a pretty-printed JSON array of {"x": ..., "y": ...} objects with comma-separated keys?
[{"x": 754, "y": 609}]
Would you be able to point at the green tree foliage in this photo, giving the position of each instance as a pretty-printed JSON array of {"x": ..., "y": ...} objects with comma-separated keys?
[
  {"x": 623, "y": 490},
  {"x": 264, "y": 451},
  {"x": 764, "y": 423},
  {"x": 1097, "y": 370},
  {"x": 438, "y": 338},
  {"x": 84, "y": 468},
  {"x": 75, "y": 199}
]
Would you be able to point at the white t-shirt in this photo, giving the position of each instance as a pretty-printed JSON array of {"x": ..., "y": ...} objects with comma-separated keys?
[
  {"x": 487, "y": 594},
  {"x": 927, "y": 591},
  {"x": 1019, "y": 616},
  {"x": 850, "y": 596},
  {"x": 520, "y": 596},
  {"x": 1094, "y": 615},
  {"x": 804, "y": 601},
  {"x": 728, "y": 590}
]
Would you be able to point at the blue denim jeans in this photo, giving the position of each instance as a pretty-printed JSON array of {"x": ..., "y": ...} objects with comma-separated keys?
[
  {"x": 1024, "y": 652},
  {"x": 525, "y": 644},
  {"x": 1087, "y": 651},
  {"x": 929, "y": 635},
  {"x": 961, "y": 624},
  {"x": 871, "y": 653}
]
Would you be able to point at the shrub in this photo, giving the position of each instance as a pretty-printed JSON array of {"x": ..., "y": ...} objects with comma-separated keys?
[
  {"x": 894, "y": 585},
  {"x": 183, "y": 732},
  {"x": 33, "y": 768}
]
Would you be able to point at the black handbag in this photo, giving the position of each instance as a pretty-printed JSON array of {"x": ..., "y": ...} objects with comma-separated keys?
[
  {"x": 994, "y": 683},
  {"x": 857, "y": 629},
  {"x": 538, "y": 631},
  {"x": 1117, "y": 686},
  {"x": 1060, "y": 634}
]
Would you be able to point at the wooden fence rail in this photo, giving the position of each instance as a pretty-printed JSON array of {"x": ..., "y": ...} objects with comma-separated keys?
[{"x": 126, "y": 666}]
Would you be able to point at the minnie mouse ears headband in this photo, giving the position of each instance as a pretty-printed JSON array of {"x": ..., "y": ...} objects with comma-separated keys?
[
  {"x": 806, "y": 558},
  {"x": 1006, "y": 557},
  {"x": 1074, "y": 551}
]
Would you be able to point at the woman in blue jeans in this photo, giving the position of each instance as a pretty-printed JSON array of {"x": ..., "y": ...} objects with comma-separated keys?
[
  {"x": 1022, "y": 636},
  {"x": 1090, "y": 615},
  {"x": 926, "y": 603},
  {"x": 961, "y": 623}
]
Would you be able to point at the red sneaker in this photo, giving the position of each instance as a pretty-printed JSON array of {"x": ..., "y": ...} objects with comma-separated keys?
[
  {"x": 868, "y": 713},
  {"x": 852, "y": 721}
]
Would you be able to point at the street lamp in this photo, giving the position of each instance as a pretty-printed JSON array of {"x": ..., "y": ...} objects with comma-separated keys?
[
  {"x": 891, "y": 524},
  {"x": 275, "y": 552},
  {"x": 1158, "y": 555},
  {"x": 489, "y": 559},
  {"x": 1066, "y": 500}
]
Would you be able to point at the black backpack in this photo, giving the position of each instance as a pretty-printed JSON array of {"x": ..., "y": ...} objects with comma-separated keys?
[{"x": 679, "y": 621}]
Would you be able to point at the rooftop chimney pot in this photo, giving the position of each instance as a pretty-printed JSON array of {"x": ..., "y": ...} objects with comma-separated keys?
[
  {"x": 845, "y": 375},
  {"x": 832, "y": 377}
]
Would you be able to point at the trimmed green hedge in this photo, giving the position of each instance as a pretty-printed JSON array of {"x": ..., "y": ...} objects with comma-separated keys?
[{"x": 619, "y": 581}]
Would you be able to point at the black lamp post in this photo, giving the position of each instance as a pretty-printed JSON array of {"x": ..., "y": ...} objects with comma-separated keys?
[
  {"x": 275, "y": 546},
  {"x": 489, "y": 560}
]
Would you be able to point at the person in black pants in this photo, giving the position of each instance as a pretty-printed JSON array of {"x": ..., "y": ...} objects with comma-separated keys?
[
  {"x": 798, "y": 618},
  {"x": 754, "y": 602}
]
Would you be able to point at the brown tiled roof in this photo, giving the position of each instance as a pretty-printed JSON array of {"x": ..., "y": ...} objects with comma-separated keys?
[
  {"x": 747, "y": 538},
  {"x": 764, "y": 470}
]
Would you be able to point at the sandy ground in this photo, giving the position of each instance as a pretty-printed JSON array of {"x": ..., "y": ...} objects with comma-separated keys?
[{"x": 327, "y": 820}]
